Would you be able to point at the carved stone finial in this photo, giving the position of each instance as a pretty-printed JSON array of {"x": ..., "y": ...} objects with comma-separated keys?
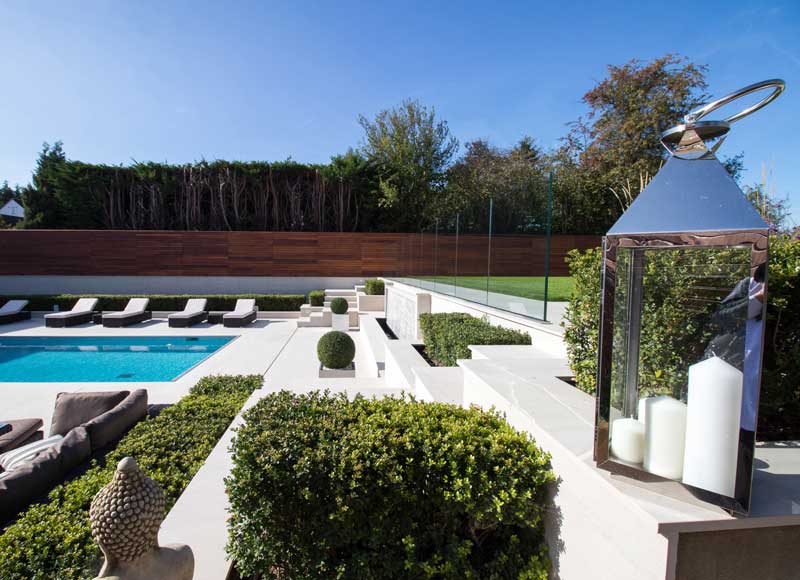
[{"x": 125, "y": 516}]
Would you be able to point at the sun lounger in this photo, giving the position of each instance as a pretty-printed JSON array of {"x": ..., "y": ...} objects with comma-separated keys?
[
  {"x": 134, "y": 312},
  {"x": 12, "y": 311},
  {"x": 81, "y": 313},
  {"x": 193, "y": 313},
  {"x": 243, "y": 314}
]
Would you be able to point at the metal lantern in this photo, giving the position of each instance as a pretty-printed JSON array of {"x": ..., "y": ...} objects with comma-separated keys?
[{"x": 682, "y": 322}]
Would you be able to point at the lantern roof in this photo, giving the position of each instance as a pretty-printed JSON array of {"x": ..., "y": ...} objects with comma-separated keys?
[{"x": 689, "y": 195}]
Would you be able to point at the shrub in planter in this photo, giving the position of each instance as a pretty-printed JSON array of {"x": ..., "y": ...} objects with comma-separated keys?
[
  {"x": 54, "y": 539},
  {"x": 316, "y": 297},
  {"x": 663, "y": 352},
  {"x": 336, "y": 350},
  {"x": 374, "y": 287},
  {"x": 447, "y": 336},
  {"x": 385, "y": 489},
  {"x": 339, "y": 306}
]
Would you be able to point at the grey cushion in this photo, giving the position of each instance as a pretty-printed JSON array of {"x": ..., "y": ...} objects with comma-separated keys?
[
  {"x": 35, "y": 478},
  {"x": 73, "y": 409},
  {"x": 21, "y": 431},
  {"x": 111, "y": 425}
]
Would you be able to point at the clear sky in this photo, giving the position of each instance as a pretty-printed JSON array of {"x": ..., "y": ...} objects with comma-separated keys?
[{"x": 180, "y": 81}]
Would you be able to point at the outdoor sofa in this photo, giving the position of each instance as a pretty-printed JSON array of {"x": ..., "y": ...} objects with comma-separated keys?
[
  {"x": 193, "y": 313},
  {"x": 12, "y": 311},
  {"x": 85, "y": 425},
  {"x": 20, "y": 432},
  {"x": 243, "y": 313},
  {"x": 81, "y": 313},
  {"x": 135, "y": 311}
]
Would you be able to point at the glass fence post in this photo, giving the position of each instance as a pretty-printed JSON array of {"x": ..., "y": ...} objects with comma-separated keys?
[
  {"x": 547, "y": 242},
  {"x": 489, "y": 249},
  {"x": 455, "y": 271},
  {"x": 435, "y": 252}
]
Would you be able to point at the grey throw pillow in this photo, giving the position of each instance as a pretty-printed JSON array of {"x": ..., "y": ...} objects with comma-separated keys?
[
  {"x": 111, "y": 425},
  {"x": 73, "y": 409}
]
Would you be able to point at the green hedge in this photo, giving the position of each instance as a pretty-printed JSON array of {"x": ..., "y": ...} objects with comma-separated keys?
[
  {"x": 447, "y": 336},
  {"x": 53, "y": 540},
  {"x": 166, "y": 302},
  {"x": 374, "y": 287},
  {"x": 379, "y": 489},
  {"x": 316, "y": 298},
  {"x": 672, "y": 331}
]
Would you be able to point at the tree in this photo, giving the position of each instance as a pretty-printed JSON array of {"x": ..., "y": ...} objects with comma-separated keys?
[
  {"x": 410, "y": 151},
  {"x": 512, "y": 178},
  {"x": 617, "y": 144},
  {"x": 42, "y": 208},
  {"x": 630, "y": 109},
  {"x": 774, "y": 211}
]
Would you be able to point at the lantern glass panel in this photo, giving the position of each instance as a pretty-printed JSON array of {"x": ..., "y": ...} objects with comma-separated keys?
[{"x": 674, "y": 307}]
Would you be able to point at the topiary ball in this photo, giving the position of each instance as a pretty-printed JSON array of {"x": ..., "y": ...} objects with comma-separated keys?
[
  {"x": 336, "y": 350},
  {"x": 339, "y": 306}
]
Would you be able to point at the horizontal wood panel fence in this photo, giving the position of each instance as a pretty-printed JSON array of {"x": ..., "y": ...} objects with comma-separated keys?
[{"x": 172, "y": 253}]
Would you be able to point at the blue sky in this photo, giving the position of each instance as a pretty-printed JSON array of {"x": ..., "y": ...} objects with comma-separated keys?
[{"x": 180, "y": 81}]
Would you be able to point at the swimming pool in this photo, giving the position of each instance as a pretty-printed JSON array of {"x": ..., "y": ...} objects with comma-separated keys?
[{"x": 96, "y": 359}]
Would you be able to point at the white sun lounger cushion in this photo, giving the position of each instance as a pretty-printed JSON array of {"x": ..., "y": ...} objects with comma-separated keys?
[{"x": 13, "y": 306}]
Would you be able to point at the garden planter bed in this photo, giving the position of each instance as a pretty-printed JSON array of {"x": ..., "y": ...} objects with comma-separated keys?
[{"x": 385, "y": 327}]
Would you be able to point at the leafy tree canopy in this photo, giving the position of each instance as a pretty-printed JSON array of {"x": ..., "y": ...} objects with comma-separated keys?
[{"x": 410, "y": 151}]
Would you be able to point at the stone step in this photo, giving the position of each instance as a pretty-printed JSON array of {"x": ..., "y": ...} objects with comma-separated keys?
[
  {"x": 351, "y": 304},
  {"x": 307, "y": 309},
  {"x": 376, "y": 344},
  {"x": 315, "y": 319},
  {"x": 439, "y": 384},
  {"x": 340, "y": 292},
  {"x": 510, "y": 352}
]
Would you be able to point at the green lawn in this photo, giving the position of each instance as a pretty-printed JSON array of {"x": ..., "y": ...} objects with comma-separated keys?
[{"x": 559, "y": 288}]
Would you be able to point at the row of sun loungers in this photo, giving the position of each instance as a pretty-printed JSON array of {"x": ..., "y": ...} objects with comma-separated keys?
[{"x": 135, "y": 311}]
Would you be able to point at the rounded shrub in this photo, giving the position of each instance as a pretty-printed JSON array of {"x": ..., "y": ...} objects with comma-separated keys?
[
  {"x": 374, "y": 287},
  {"x": 391, "y": 488},
  {"x": 339, "y": 306},
  {"x": 336, "y": 350}
]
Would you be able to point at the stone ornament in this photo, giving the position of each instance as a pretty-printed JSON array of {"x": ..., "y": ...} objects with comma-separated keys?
[{"x": 125, "y": 516}]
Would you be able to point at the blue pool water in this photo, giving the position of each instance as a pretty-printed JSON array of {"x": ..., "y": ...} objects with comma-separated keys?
[{"x": 103, "y": 359}]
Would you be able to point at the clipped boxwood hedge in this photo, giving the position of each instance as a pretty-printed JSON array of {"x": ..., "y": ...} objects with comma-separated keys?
[
  {"x": 339, "y": 305},
  {"x": 447, "y": 336},
  {"x": 166, "y": 302},
  {"x": 53, "y": 540},
  {"x": 665, "y": 351},
  {"x": 374, "y": 287},
  {"x": 385, "y": 489},
  {"x": 336, "y": 350},
  {"x": 316, "y": 298}
]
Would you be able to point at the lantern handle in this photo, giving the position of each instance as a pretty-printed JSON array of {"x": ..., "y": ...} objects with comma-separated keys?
[{"x": 777, "y": 85}]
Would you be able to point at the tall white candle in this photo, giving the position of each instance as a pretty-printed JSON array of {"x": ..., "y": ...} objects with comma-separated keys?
[
  {"x": 712, "y": 428},
  {"x": 641, "y": 412},
  {"x": 665, "y": 434},
  {"x": 627, "y": 440}
]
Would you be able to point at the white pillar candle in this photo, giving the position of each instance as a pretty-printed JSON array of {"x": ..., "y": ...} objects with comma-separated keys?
[
  {"x": 712, "y": 428},
  {"x": 641, "y": 413},
  {"x": 627, "y": 440},
  {"x": 665, "y": 435}
]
